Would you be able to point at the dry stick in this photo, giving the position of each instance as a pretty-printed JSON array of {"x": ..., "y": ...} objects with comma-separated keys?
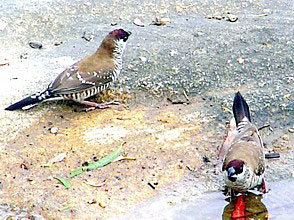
[
  {"x": 185, "y": 93},
  {"x": 265, "y": 126}
]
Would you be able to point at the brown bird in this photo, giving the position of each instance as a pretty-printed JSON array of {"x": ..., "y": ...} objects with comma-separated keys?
[
  {"x": 242, "y": 151},
  {"x": 86, "y": 77}
]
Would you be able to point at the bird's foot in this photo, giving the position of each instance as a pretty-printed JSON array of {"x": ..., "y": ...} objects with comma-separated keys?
[{"x": 94, "y": 105}]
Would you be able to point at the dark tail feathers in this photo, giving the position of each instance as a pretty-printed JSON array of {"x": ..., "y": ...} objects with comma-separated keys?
[
  {"x": 240, "y": 108},
  {"x": 30, "y": 101}
]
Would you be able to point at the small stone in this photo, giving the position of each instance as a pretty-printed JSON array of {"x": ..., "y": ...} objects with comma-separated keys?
[
  {"x": 92, "y": 201},
  {"x": 102, "y": 204},
  {"x": 35, "y": 45},
  {"x": 161, "y": 21},
  {"x": 285, "y": 137},
  {"x": 54, "y": 130},
  {"x": 287, "y": 96},
  {"x": 138, "y": 22},
  {"x": 291, "y": 130},
  {"x": 113, "y": 23},
  {"x": 240, "y": 60},
  {"x": 232, "y": 18},
  {"x": 143, "y": 59}
]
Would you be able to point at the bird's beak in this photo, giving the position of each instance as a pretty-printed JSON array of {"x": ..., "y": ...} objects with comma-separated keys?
[
  {"x": 129, "y": 33},
  {"x": 232, "y": 174},
  {"x": 231, "y": 171}
]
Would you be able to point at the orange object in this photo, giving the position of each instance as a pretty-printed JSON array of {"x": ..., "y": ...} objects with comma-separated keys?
[{"x": 239, "y": 212}]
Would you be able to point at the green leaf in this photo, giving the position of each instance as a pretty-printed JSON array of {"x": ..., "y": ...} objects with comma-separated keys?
[
  {"x": 76, "y": 172},
  {"x": 98, "y": 164},
  {"x": 63, "y": 181}
]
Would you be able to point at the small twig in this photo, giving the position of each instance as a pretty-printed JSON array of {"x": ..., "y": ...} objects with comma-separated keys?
[
  {"x": 185, "y": 93},
  {"x": 149, "y": 184},
  {"x": 265, "y": 126},
  {"x": 261, "y": 15},
  {"x": 86, "y": 38},
  {"x": 3, "y": 64}
]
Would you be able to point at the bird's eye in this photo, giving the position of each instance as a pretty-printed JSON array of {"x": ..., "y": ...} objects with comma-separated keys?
[{"x": 125, "y": 38}]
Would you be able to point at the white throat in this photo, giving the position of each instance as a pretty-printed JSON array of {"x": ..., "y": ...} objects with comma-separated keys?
[{"x": 117, "y": 57}]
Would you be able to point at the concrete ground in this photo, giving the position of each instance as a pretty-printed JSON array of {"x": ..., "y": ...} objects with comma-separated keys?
[{"x": 209, "y": 51}]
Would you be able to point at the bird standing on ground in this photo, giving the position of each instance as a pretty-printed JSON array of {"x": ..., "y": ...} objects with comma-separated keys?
[
  {"x": 86, "y": 77},
  {"x": 242, "y": 151}
]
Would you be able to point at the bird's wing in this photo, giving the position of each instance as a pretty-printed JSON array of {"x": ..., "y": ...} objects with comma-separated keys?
[
  {"x": 72, "y": 80},
  {"x": 243, "y": 132}
]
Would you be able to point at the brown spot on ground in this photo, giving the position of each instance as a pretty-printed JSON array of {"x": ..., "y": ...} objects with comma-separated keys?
[{"x": 163, "y": 140}]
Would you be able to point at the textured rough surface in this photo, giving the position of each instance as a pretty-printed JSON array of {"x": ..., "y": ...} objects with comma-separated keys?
[{"x": 204, "y": 52}]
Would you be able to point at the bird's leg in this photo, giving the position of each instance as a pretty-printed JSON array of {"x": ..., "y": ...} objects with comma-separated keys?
[
  {"x": 94, "y": 105},
  {"x": 263, "y": 187}
]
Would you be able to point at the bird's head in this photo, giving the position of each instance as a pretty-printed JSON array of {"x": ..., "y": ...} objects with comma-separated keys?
[
  {"x": 114, "y": 43},
  {"x": 120, "y": 34},
  {"x": 234, "y": 168}
]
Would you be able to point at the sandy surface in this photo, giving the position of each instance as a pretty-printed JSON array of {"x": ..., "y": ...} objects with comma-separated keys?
[{"x": 201, "y": 52}]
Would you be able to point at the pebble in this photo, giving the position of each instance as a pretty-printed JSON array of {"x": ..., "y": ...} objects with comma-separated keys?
[
  {"x": 54, "y": 130},
  {"x": 291, "y": 130},
  {"x": 35, "y": 45},
  {"x": 285, "y": 137},
  {"x": 92, "y": 201},
  {"x": 138, "y": 22},
  {"x": 102, "y": 204},
  {"x": 161, "y": 21},
  {"x": 240, "y": 60},
  {"x": 143, "y": 59},
  {"x": 232, "y": 18}
]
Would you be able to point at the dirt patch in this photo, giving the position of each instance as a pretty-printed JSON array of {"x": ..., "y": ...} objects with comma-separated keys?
[{"x": 163, "y": 139}]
